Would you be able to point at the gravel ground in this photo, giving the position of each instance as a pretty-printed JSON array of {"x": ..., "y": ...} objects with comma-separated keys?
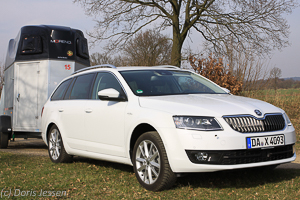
[
  {"x": 31, "y": 146},
  {"x": 37, "y": 147}
]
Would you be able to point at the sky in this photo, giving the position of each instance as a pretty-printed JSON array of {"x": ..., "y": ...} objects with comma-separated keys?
[{"x": 17, "y": 13}]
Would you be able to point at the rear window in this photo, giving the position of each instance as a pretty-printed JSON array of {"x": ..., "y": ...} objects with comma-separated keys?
[{"x": 60, "y": 91}]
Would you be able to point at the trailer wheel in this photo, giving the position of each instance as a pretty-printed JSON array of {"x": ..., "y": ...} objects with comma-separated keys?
[
  {"x": 5, "y": 130},
  {"x": 56, "y": 148},
  {"x": 3, "y": 140}
]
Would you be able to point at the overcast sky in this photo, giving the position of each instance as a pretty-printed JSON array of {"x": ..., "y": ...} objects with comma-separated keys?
[{"x": 17, "y": 13}]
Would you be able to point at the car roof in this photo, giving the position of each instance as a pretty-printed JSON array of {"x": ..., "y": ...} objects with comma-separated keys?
[{"x": 125, "y": 68}]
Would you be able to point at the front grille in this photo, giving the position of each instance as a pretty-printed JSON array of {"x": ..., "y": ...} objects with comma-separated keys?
[
  {"x": 250, "y": 124},
  {"x": 234, "y": 157}
]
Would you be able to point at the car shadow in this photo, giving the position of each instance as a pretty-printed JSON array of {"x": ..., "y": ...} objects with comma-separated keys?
[
  {"x": 101, "y": 163},
  {"x": 242, "y": 178}
]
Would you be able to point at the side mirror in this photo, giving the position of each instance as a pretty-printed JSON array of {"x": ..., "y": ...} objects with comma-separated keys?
[
  {"x": 226, "y": 90},
  {"x": 111, "y": 94}
]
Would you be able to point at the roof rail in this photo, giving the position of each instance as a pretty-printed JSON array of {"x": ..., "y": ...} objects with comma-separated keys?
[
  {"x": 167, "y": 66},
  {"x": 95, "y": 67}
]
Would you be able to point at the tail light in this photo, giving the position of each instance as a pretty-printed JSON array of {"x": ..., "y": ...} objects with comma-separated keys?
[{"x": 42, "y": 112}]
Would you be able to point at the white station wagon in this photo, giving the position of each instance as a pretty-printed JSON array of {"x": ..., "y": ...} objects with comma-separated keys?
[{"x": 164, "y": 121}]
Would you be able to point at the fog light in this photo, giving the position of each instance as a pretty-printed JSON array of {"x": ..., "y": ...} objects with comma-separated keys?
[
  {"x": 201, "y": 156},
  {"x": 204, "y": 156}
]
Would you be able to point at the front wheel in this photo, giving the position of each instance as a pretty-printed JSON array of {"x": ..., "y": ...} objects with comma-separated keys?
[
  {"x": 150, "y": 162},
  {"x": 56, "y": 148}
]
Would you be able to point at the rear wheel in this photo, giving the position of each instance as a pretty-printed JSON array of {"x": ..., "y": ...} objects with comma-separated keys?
[
  {"x": 56, "y": 148},
  {"x": 150, "y": 162},
  {"x": 3, "y": 140}
]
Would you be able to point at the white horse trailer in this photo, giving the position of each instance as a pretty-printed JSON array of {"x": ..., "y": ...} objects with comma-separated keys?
[{"x": 36, "y": 61}]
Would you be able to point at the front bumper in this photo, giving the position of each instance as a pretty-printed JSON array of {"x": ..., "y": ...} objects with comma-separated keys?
[
  {"x": 228, "y": 144},
  {"x": 245, "y": 156}
]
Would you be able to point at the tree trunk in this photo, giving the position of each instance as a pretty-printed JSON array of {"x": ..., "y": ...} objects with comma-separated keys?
[{"x": 176, "y": 48}]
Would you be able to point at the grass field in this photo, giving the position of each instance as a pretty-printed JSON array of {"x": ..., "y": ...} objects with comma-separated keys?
[
  {"x": 27, "y": 176},
  {"x": 94, "y": 179},
  {"x": 286, "y": 99}
]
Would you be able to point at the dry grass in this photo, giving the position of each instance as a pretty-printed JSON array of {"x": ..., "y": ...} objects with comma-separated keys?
[
  {"x": 286, "y": 99},
  {"x": 94, "y": 179}
]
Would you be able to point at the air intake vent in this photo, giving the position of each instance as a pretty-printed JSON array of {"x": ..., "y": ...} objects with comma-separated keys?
[{"x": 249, "y": 124}]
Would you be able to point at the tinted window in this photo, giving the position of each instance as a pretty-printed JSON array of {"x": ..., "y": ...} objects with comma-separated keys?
[
  {"x": 67, "y": 95},
  {"x": 82, "y": 86},
  {"x": 60, "y": 91},
  {"x": 103, "y": 81}
]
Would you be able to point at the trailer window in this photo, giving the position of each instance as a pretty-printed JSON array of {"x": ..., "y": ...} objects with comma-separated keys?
[
  {"x": 60, "y": 91},
  {"x": 82, "y": 48},
  {"x": 31, "y": 45}
]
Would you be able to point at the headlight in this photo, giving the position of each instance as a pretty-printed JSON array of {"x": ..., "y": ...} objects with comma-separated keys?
[
  {"x": 288, "y": 121},
  {"x": 197, "y": 123}
]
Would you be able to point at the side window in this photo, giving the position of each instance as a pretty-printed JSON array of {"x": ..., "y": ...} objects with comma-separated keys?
[
  {"x": 59, "y": 92},
  {"x": 105, "y": 80},
  {"x": 68, "y": 92},
  {"x": 82, "y": 86}
]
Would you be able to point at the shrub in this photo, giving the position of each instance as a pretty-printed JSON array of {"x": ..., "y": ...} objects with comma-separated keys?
[{"x": 214, "y": 69}]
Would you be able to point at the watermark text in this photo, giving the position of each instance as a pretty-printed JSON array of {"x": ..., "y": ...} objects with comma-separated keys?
[{"x": 6, "y": 193}]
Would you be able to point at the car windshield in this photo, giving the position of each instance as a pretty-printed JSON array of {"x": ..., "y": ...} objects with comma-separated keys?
[{"x": 168, "y": 82}]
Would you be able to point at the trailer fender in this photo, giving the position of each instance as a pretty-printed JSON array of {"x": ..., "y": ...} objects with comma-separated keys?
[{"x": 5, "y": 130}]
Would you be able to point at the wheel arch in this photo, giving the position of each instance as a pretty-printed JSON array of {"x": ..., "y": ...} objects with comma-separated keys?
[
  {"x": 137, "y": 132},
  {"x": 47, "y": 131}
]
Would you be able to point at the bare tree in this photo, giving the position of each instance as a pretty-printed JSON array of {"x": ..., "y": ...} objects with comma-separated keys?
[
  {"x": 247, "y": 67},
  {"x": 256, "y": 24},
  {"x": 100, "y": 58},
  {"x": 275, "y": 74},
  {"x": 148, "y": 48}
]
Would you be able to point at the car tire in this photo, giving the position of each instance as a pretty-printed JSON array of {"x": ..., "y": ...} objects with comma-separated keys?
[
  {"x": 150, "y": 163},
  {"x": 56, "y": 150},
  {"x": 3, "y": 140}
]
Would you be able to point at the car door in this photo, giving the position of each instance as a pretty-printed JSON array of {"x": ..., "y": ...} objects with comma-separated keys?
[
  {"x": 72, "y": 110},
  {"x": 104, "y": 120}
]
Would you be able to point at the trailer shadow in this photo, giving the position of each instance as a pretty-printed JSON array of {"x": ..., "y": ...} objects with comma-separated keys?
[{"x": 31, "y": 146}]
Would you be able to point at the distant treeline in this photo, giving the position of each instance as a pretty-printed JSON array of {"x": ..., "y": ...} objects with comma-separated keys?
[{"x": 282, "y": 83}]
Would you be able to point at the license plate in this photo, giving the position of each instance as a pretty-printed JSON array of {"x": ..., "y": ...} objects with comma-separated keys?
[{"x": 265, "y": 141}]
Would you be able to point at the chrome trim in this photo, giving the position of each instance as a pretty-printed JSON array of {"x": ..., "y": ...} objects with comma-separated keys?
[
  {"x": 95, "y": 67},
  {"x": 252, "y": 124},
  {"x": 167, "y": 66},
  {"x": 262, "y": 118}
]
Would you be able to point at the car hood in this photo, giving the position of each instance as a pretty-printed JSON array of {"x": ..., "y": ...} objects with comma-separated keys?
[{"x": 216, "y": 105}]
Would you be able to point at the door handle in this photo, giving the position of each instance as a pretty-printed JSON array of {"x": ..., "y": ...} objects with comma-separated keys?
[
  {"x": 60, "y": 110},
  {"x": 88, "y": 110},
  {"x": 18, "y": 97}
]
